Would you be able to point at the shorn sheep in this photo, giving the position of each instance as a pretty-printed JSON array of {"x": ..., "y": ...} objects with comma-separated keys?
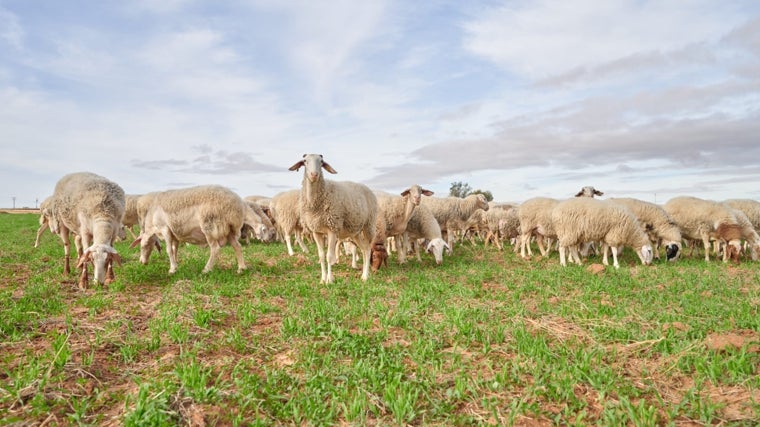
[
  {"x": 204, "y": 215},
  {"x": 656, "y": 221},
  {"x": 285, "y": 208},
  {"x": 450, "y": 211},
  {"x": 92, "y": 207},
  {"x": 334, "y": 210},
  {"x": 583, "y": 219},
  {"x": 394, "y": 213},
  {"x": 704, "y": 220}
]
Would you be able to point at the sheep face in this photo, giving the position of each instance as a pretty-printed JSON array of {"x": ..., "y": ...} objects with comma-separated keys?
[
  {"x": 313, "y": 165},
  {"x": 264, "y": 233},
  {"x": 416, "y": 192},
  {"x": 589, "y": 191},
  {"x": 436, "y": 247},
  {"x": 672, "y": 251},
  {"x": 646, "y": 254},
  {"x": 734, "y": 250},
  {"x": 102, "y": 258}
]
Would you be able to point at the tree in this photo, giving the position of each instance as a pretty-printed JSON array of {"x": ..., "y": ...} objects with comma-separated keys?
[
  {"x": 460, "y": 189},
  {"x": 486, "y": 193}
]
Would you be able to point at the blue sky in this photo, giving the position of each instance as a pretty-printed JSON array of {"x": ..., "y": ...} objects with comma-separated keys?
[{"x": 646, "y": 99}]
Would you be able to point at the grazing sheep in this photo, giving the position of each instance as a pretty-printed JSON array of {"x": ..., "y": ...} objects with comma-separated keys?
[
  {"x": 257, "y": 223},
  {"x": 393, "y": 213},
  {"x": 204, "y": 215},
  {"x": 423, "y": 225},
  {"x": 379, "y": 255},
  {"x": 750, "y": 207},
  {"x": 584, "y": 219},
  {"x": 286, "y": 210},
  {"x": 589, "y": 191},
  {"x": 749, "y": 234},
  {"x": 334, "y": 210},
  {"x": 46, "y": 220},
  {"x": 535, "y": 217},
  {"x": 131, "y": 218},
  {"x": 704, "y": 220},
  {"x": 92, "y": 207},
  {"x": 655, "y": 220},
  {"x": 451, "y": 211}
]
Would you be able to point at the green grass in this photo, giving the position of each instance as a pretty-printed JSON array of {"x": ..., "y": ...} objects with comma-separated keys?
[{"x": 484, "y": 339}]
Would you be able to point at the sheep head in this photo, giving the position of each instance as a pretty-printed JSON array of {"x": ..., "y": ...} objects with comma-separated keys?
[
  {"x": 671, "y": 251},
  {"x": 589, "y": 191},
  {"x": 313, "y": 164},
  {"x": 102, "y": 258},
  {"x": 415, "y": 192}
]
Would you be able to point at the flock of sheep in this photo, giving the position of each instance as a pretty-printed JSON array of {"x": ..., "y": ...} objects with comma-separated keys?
[{"x": 374, "y": 223}]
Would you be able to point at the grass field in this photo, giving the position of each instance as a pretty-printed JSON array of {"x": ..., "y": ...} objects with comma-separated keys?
[{"x": 486, "y": 338}]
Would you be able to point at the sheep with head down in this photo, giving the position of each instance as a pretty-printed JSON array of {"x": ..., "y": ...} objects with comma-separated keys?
[
  {"x": 334, "y": 210},
  {"x": 92, "y": 207}
]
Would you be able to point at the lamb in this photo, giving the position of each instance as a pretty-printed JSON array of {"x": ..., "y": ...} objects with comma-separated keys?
[
  {"x": 585, "y": 219},
  {"x": 394, "y": 213},
  {"x": 423, "y": 225},
  {"x": 334, "y": 210},
  {"x": 204, "y": 215},
  {"x": 656, "y": 220},
  {"x": 286, "y": 211},
  {"x": 704, "y": 220},
  {"x": 452, "y": 210},
  {"x": 92, "y": 207},
  {"x": 589, "y": 191},
  {"x": 535, "y": 217}
]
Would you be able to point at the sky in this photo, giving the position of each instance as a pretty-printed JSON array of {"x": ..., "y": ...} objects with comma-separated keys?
[{"x": 644, "y": 99}]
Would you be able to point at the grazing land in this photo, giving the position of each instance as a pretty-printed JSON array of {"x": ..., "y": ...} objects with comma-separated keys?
[{"x": 486, "y": 338}]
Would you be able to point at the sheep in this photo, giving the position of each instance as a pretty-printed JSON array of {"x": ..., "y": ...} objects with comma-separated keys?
[
  {"x": 46, "y": 220},
  {"x": 334, "y": 210},
  {"x": 751, "y": 209},
  {"x": 423, "y": 225},
  {"x": 589, "y": 191},
  {"x": 748, "y": 232},
  {"x": 657, "y": 221},
  {"x": 585, "y": 219},
  {"x": 257, "y": 222},
  {"x": 286, "y": 211},
  {"x": 503, "y": 223},
  {"x": 203, "y": 215},
  {"x": 451, "y": 210},
  {"x": 131, "y": 218},
  {"x": 535, "y": 217},
  {"x": 394, "y": 213},
  {"x": 704, "y": 220},
  {"x": 92, "y": 207}
]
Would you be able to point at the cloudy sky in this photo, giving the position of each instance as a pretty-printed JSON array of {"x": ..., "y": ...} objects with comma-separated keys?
[{"x": 646, "y": 99}]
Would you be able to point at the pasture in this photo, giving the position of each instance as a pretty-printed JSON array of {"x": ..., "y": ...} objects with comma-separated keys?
[{"x": 484, "y": 339}]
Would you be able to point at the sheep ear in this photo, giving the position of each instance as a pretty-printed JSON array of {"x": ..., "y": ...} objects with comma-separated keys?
[
  {"x": 297, "y": 166},
  {"x": 84, "y": 259},
  {"x": 115, "y": 257},
  {"x": 427, "y": 192},
  {"x": 328, "y": 168},
  {"x": 405, "y": 192},
  {"x": 579, "y": 194},
  {"x": 598, "y": 193},
  {"x": 135, "y": 242}
]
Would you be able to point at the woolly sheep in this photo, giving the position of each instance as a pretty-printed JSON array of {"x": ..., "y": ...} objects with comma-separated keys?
[
  {"x": 46, "y": 220},
  {"x": 423, "y": 225},
  {"x": 286, "y": 210},
  {"x": 204, "y": 215},
  {"x": 503, "y": 223},
  {"x": 334, "y": 210},
  {"x": 257, "y": 223},
  {"x": 131, "y": 218},
  {"x": 585, "y": 219},
  {"x": 92, "y": 207},
  {"x": 393, "y": 213},
  {"x": 704, "y": 220},
  {"x": 535, "y": 217},
  {"x": 750, "y": 207},
  {"x": 748, "y": 232},
  {"x": 450, "y": 210},
  {"x": 588, "y": 191},
  {"x": 656, "y": 220}
]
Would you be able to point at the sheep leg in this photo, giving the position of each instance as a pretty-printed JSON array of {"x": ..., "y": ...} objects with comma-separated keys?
[
  {"x": 706, "y": 243},
  {"x": 238, "y": 252},
  {"x": 84, "y": 277},
  {"x": 40, "y": 230},
  {"x": 172, "y": 245},
  {"x": 615, "y": 257},
  {"x": 299, "y": 240},
  {"x": 323, "y": 265},
  {"x": 214, "y": 248},
  {"x": 574, "y": 256},
  {"x": 365, "y": 244},
  {"x": 562, "y": 258},
  {"x": 287, "y": 243},
  {"x": 401, "y": 242}
]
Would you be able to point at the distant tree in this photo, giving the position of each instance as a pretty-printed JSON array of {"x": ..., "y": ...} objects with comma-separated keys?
[
  {"x": 460, "y": 189},
  {"x": 486, "y": 193}
]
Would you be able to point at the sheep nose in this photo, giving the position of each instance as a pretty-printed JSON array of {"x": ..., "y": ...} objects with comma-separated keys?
[{"x": 312, "y": 176}]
